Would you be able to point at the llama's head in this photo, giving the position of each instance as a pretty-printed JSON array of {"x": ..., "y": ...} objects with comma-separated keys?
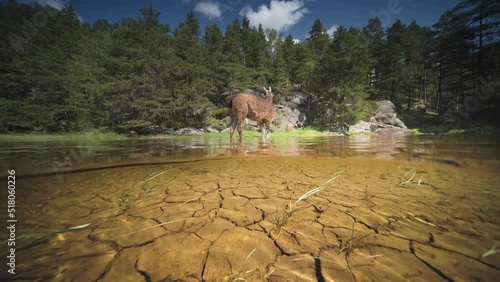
[{"x": 269, "y": 93}]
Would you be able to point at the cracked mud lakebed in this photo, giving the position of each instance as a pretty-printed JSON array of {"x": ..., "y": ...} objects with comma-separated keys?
[{"x": 238, "y": 219}]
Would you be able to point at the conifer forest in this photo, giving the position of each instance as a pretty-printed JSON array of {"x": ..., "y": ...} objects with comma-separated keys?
[{"x": 58, "y": 74}]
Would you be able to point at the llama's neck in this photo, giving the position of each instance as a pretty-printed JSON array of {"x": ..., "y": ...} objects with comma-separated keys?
[{"x": 269, "y": 98}]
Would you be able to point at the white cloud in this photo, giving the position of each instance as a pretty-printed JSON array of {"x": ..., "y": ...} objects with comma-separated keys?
[
  {"x": 296, "y": 41},
  {"x": 280, "y": 15},
  {"x": 332, "y": 30},
  {"x": 209, "y": 9},
  {"x": 56, "y": 4}
]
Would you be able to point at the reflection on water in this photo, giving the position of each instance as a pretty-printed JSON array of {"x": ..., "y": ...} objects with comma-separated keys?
[{"x": 464, "y": 151}]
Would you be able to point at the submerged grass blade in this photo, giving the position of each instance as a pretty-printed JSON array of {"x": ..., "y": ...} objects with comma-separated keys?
[
  {"x": 79, "y": 227},
  {"x": 374, "y": 256},
  {"x": 282, "y": 165},
  {"x": 492, "y": 251},
  {"x": 318, "y": 189},
  {"x": 156, "y": 175},
  {"x": 403, "y": 181},
  {"x": 151, "y": 227},
  {"x": 190, "y": 200},
  {"x": 42, "y": 236},
  {"x": 250, "y": 254}
]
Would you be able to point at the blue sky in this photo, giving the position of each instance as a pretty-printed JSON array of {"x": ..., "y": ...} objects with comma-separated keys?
[{"x": 288, "y": 16}]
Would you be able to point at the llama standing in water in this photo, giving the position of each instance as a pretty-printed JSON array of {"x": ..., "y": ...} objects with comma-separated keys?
[{"x": 243, "y": 106}]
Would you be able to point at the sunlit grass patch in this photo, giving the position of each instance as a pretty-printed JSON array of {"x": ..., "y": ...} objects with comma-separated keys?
[
  {"x": 466, "y": 130},
  {"x": 254, "y": 133},
  {"x": 299, "y": 132},
  {"x": 416, "y": 131},
  {"x": 89, "y": 136}
]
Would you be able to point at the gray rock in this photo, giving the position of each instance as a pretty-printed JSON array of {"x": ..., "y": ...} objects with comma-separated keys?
[
  {"x": 211, "y": 130},
  {"x": 298, "y": 99},
  {"x": 385, "y": 122},
  {"x": 188, "y": 131},
  {"x": 249, "y": 91},
  {"x": 155, "y": 129},
  {"x": 361, "y": 127},
  {"x": 288, "y": 118},
  {"x": 236, "y": 91}
]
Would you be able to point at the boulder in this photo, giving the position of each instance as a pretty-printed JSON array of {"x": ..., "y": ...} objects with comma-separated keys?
[
  {"x": 361, "y": 127},
  {"x": 188, "y": 131},
  {"x": 155, "y": 130},
  {"x": 288, "y": 118},
  {"x": 385, "y": 122},
  {"x": 211, "y": 129}
]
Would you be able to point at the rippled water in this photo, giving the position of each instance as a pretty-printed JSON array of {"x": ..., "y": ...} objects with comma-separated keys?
[
  {"x": 332, "y": 208},
  {"x": 464, "y": 151}
]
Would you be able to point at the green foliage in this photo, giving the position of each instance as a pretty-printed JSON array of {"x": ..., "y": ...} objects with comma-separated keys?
[
  {"x": 89, "y": 136},
  {"x": 318, "y": 39},
  {"x": 62, "y": 75},
  {"x": 342, "y": 106},
  {"x": 341, "y": 80}
]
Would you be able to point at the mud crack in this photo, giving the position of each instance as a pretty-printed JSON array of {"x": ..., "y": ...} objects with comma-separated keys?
[
  {"x": 435, "y": 269},
  {"x": 143, "y": 273},
  {"x": 317, "y": 270},
  {"x": 204, "y": 265}
]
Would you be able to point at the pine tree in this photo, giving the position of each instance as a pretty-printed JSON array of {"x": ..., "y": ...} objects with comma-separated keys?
[
  {"x": 374, "y": 34},
  {"x": 318, "y": 38},
  {"x": 454, "y": 44},
  {"x": 342, "y": 74}
]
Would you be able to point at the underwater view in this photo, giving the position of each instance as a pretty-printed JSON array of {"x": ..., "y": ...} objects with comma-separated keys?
[{"x": 326, "y": 208}]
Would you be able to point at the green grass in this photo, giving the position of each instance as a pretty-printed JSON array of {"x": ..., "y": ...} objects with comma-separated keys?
[
  {"x": 251, "y": 133},
  {"x": 416, "y": 131},
  {"x": 96, "y": 135},
  {"x": 89, "y": 136},
  {"x": 476, "y": 130},
  {"x": 352, "y": 133},
  {"x": 487, "y": 130},
  {"x": 300, "y": 132}
]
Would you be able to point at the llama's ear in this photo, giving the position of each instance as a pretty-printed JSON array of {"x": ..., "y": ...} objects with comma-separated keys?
[
  {"x": 264, "y": 88},
  {"x": 270, "y": 89}
]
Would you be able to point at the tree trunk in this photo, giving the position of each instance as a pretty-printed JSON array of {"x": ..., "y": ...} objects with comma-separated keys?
[{"x": 440, "y": 89}]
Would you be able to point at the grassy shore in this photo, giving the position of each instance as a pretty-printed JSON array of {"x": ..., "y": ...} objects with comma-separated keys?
[
  {"x": 484, "y": 130},
  {"x": 88, "y": 136},
  {"x": 97, "y": 136},
  {"x": 280, "y": 133}
]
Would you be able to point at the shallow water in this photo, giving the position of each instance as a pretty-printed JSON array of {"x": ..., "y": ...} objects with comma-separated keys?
[
  {"x": 191, "y": 209},
  {"x": 38, "y": 157}
]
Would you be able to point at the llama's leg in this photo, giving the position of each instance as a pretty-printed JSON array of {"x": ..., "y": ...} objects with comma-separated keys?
[
  {"x": 232, "y": 126},
  {"x": 241, "y": 125},
  {"x": 268, "y": 128},
  {"x": 260, "y": 125}
]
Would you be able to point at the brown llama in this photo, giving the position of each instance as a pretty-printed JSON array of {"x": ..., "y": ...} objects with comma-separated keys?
[{"x": 258, "y": 109}]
